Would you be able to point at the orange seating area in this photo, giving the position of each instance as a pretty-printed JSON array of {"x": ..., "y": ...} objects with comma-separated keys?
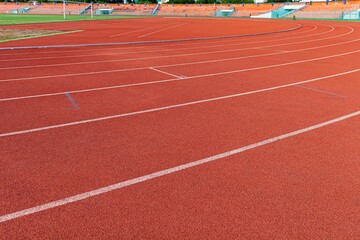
[
  {"x": 253, "y": 9},
  {"x": 135, "y": 9},
  {"x": 102, "y": 6},
  {"x": 330, "y": 11},
  {"x": 257, "y": 7},
  {"x": 190, "y": 10},
  {"x": 210, "y": 9},
  {"x": 331, "y": 6},
  {"x": 316, "y": 10},
  {"x": 49, "y": 8},
  {"x": 5, "y": 8}
]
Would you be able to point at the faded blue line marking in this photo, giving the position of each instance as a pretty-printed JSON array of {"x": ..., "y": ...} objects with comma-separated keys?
[
  {"x": 322, "y": 91},
  {"x": 72, "y": 101}
]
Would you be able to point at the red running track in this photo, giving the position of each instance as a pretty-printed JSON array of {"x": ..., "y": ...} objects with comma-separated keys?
[{"x": 254, "y": 137}]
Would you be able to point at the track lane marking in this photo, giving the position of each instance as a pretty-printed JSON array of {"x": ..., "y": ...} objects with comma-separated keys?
[
  {"x": 177, "y": 79},
  {"x": 161, "y": 30},
  {"x": 167, "y": 73},
  {"x": 176, "y": 64},
  {"x": 183, "y": 44},
  {"x": 158, "y": 50},
  {"x": 166, "y": 56},
  {"x": 75, "y": 45},
  {"x": 170, "y": 106},
  {"x": 168, "y": 171},
  {"x": 138, "y": 30}
]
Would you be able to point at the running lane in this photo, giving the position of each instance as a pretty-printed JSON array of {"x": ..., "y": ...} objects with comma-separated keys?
[
  {"x": 169, "y": 29},
  {"x": 300, "y": 186}
]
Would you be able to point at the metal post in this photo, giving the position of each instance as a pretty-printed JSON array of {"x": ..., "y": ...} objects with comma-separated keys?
[
  {"x": 91, "y": 11},
  {"x": 64, "y": 8}
]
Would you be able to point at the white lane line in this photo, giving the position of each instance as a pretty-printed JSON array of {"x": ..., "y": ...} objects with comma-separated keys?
[
  {"x": 183, "y": 44},
  {"x": 165, "y": 56},
  {"x": 161, "y": 30},
  {"x": 138, "y": 30},
  {"x": 156, "y": 41},
  {"x": 167, "y": 73},
  {"x": 322, "y": 91},
  {"x": 171, "y": 106},
  {"x": 177, "y": 64},
  {"x": 133, "y": 181},
  {"x": 160, "y": 50},
  {"x": 177, "y": 79}
]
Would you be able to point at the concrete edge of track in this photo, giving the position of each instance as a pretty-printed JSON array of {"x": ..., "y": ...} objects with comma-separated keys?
[{"x": 149, "y": 42}]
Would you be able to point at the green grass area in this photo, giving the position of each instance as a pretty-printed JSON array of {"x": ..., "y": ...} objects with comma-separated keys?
[{"x": 10, "y": 19}]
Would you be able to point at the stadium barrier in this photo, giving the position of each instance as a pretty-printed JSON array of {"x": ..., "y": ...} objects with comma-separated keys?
[{"x": 329, "y": 10}]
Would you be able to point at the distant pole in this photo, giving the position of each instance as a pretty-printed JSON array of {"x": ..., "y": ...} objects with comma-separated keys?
[
  {"x": 91, "y": 11},
  {"x": 64, "y": 8}
]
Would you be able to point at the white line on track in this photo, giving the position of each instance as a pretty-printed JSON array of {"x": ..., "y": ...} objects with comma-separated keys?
[
  {"x": 178, "y": 79},
  {"x": 182, "y": 44},
  {"x": 163, "y": 50},
  {"x": 165, "y": 56},
  {"x": 172, "y": 170},
  {"x": 167, "y": 73},
  {"x": 107, "y": 44},
  {"x": 160, "y": 50},
  {"x": 174, "y": 65},
  {"x": 171, "y": 106},
  {"x": 161, "y": 30},
  {"x": 138, "y": 30}
]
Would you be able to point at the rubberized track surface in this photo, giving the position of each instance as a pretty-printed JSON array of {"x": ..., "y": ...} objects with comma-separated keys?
[{"x": 253, "y": 137}]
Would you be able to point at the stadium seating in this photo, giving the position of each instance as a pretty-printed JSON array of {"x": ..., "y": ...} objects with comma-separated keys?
[
  {"x": 49, "y": 8},
  {"x": 331, "y": 6},
  {"x": 189, "y": 10},
  {"x": 253, "y": 9},
  {"x": 314, "y": 10},
  {"x": 134, "y": 9},
  {"x": 210, "y": 9},
  {"x": 323, "y": 10},
  {"x": 7, "y": 7}
]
